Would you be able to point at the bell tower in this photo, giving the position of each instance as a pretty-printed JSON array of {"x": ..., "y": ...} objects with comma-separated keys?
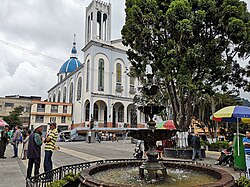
[{"x": 98, "y": 21}]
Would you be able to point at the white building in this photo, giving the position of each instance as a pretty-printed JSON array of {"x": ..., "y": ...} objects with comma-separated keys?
[{"x": 99, "y": 87}]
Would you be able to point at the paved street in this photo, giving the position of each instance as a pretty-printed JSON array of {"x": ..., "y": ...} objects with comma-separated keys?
[{"x": 13, "y": 170}]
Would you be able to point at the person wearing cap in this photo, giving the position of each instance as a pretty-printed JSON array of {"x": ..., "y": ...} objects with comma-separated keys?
[
  {"x": 50, "y": 144},
  {"x": 246, "y": 143},
  {"x": 34, "y": 150}
]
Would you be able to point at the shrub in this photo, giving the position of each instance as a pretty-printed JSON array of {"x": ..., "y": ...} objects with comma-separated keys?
[
  {"x": 219, "y": 145},
  {"x": 67, "y": 178},
  {"x": 243, "y": 182}
]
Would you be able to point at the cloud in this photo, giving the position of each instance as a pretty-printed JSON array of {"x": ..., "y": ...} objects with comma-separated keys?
[{"x": 28, "y": 79}]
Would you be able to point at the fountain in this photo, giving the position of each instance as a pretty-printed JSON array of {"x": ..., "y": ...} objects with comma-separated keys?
[
  {"x": 151, "y": 170},
  {"x": 151, "y": 107}
]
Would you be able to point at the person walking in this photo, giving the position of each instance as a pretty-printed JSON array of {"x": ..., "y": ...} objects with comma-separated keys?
[
  {"x": 89, "y": 136},
  {"x": 50, "y": 143},
  {"x": 246, "y": 143},
  {"x": 15, "y": 141},
  {"x": 196, "y": 144},
  {"x": 25, "y": 145},
  {"x": 34, "y": 150},
  {"x": 4, "y": 141}
]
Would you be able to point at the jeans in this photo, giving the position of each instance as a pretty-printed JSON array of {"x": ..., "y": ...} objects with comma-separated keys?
[
  {"x": 248, "y": 165},
  {"x": 30, "y": 166},
  {"x": 194, "y": 153},
  {"x": 47, "y": 161},
  {"x": 15, "y": 146}
]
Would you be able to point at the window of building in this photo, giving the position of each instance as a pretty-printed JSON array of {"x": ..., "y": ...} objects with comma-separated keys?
[
  {"x": 64, "y": 109},
  {"x": 87, "y": 112},
  {"x": 99, "y": 25},
  {"x": 54, "y": 98},
  {"x": 121, "y": 114},
  {"x": 101, "y": 75},
  {"x": 52, "y": 119},
  {"x": 40, "y": 107},
  {"x": 61, "y": 78},
  {"x": 39, "y": 119},
  {"x": 87, "y": 78},
  {"x": 26, "y": 109},
  {"x": 64, "y": 94},
  {"x": 54, "y": 108},
  {"x": 132, "y": 85},
  {"x": 0, "y": 107},
  {"x": 71, "y": 92},
  {"x": 9, "y": 104},
  {"x": 96, "y": 112},
  {"x": 63, "y": 119},
  {"x": 79, "y": 88},
  {"x": 118, "y": 73},
  {"x": 58, "y": 97}
]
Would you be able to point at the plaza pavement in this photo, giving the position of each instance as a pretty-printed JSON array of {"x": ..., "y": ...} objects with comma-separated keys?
[{"x": 13, "y": 170}]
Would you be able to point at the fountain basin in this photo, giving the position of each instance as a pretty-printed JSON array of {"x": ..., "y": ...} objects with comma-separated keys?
[{"x": 222, "y": 178}]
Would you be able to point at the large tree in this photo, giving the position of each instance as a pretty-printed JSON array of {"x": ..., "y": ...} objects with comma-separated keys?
[
  {"x": 193, "y": 45},
  {"x": 13, "y": 118}
]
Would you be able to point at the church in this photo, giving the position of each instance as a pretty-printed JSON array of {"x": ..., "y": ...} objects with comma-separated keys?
[{"x": 99, "y": 87}]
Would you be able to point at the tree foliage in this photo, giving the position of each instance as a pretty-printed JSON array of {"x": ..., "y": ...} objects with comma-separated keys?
[
  {"x": 191, "y": 45},
  {"x": 13, "y": 118}
]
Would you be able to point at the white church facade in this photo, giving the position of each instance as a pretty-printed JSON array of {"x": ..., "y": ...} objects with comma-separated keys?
[{"x": 99, "y": 87}]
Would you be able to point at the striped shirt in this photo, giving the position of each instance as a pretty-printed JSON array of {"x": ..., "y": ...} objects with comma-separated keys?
[
  {"x": 247, "y": 140},
  {"x": 50, "y": 146}
]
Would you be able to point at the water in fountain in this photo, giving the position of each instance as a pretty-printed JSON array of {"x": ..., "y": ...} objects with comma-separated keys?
[{"x": 175, "y": 178}]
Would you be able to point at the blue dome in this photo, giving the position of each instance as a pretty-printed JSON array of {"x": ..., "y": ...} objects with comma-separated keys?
[{"x": 70, "y": 65}]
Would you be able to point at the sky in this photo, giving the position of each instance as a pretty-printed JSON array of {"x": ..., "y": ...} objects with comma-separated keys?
[{"x": 32, "y": 31}]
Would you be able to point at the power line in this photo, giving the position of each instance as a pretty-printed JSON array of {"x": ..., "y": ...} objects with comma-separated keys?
[{"x": 30, "y": 51}]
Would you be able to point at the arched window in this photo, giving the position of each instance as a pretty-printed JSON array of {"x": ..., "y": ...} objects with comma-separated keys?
[
  {"x": 101, "y": 75},
  {"x": 87, "y": 78},
  {"x": 58, "y": 96},
  {"x": 118, "y": 73},
  {"x": 54, "y": 97},
  {"x": 79, "y": 89},
  {"x": 61, "y": 78},
  {"x": 121, "y": 114},
  {"x": 71, "y": 92},
  {"x": 64, "y": 94},
  {"x": 87, "y": 112},
  {"x": 96, "y": 112},
  {"x": 99, "y": 25}
]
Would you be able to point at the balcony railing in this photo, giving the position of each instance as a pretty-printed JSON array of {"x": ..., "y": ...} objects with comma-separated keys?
[
  {"x": 119, "y": 87},
  {"x": 132, "y": 90},
  {"x": 54, "y": 110},
  {"x": 41, "y": 110}
]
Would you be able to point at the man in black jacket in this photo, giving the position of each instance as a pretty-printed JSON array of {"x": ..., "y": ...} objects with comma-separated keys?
[
  {"x": 4, "y": 142},
  {"x": 196, "y": 144}
]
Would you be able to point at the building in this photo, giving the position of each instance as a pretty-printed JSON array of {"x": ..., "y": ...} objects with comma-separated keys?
[
  {"x": 8, "y": 103},
  {"x": 43, "y": 112},
  {"x": 99, "y": 88}
]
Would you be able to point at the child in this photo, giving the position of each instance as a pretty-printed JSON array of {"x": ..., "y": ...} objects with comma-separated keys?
[{"x": 25, "y": 145}]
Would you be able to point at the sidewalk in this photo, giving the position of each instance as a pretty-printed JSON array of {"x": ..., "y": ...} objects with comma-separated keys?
[{"x": 11, "y": 174}]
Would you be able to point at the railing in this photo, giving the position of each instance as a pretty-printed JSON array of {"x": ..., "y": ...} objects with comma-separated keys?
[{"x": 44, "y": 179}]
